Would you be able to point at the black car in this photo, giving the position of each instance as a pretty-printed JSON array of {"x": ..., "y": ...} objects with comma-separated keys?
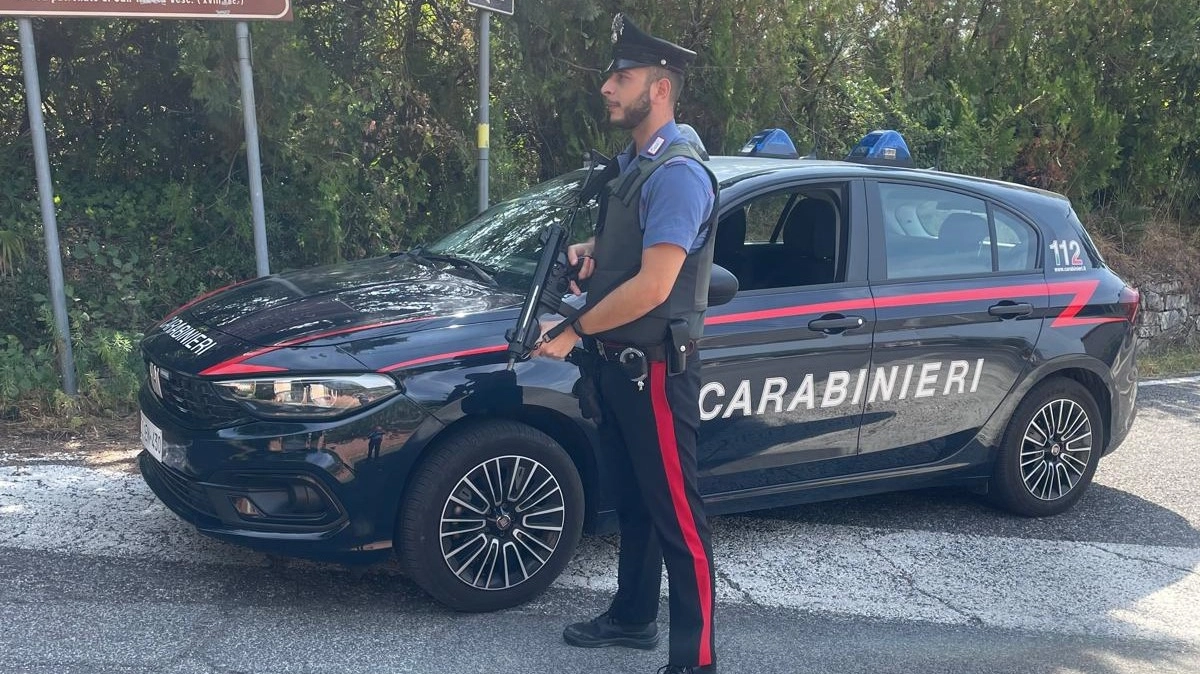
[{"x": 894, "y": 328}]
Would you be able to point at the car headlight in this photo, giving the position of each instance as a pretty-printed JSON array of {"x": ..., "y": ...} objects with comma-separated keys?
[{"x": 315, "y": 397}]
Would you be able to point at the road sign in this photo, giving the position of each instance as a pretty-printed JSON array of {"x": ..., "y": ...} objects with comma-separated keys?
[
  {"x": 239, "y": 10},
  {"x": 501, "y": 6}
]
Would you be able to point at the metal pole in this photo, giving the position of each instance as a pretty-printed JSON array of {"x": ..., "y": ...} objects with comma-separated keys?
[
  {"x": 485, "y": 81},
  {"x": 41, "y": 156},
  {"x": 253, "y": 164}
]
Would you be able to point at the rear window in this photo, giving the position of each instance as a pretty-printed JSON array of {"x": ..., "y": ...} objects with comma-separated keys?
[{"x": 1089, "y": 253}]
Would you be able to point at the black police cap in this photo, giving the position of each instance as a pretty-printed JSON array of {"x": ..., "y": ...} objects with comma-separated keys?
[{"x": 633, "y": 48}]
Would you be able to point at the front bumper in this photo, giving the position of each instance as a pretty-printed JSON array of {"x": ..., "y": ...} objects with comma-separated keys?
[{"x": 321, "y": 491}]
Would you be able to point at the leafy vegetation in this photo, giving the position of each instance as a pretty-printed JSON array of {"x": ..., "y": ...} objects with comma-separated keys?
[
  {"x": 367, "y": 113},
  {"x": 1178, "y": 360}
]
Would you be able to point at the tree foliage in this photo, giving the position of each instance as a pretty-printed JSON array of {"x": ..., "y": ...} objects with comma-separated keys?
[{"x": 367, "y": 112}]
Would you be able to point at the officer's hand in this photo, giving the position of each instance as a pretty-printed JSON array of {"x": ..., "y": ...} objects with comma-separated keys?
[
  {"x": 577, "y": 252},
  {"x": 560, "y": 346}
]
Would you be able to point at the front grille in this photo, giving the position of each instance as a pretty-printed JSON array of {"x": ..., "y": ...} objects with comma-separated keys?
[
  {"x": 180, "y": 493},
  {"x": 196, "y": 401}
]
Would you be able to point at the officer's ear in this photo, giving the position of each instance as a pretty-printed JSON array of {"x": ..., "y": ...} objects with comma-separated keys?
[
  {"x": 663, "y": 88},
  {"x": 667, "y": 84}
]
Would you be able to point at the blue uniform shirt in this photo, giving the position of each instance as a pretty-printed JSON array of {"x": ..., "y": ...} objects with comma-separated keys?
[{"x": 676, "y": 199}]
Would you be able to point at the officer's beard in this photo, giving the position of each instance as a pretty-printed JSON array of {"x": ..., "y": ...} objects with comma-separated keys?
[{"x": 636, "y": 113}]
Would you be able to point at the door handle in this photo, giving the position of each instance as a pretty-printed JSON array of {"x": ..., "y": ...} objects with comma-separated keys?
[
  {"x": 834, "y": 323},
  {"x": 1007, "y": 309}
]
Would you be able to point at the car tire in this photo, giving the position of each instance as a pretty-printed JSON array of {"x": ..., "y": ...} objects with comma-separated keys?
[
  {"x": 491, "y": 517},
  {"x": 1050, "y": 450}
]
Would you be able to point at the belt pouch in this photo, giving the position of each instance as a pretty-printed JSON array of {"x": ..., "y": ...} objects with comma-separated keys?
[{"x": 678, "y": 337}]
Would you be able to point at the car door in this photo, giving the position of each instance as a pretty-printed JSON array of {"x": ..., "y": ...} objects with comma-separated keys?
[
  {"x": 959, "y": 302},
  {"x": 784, "y": 360}
]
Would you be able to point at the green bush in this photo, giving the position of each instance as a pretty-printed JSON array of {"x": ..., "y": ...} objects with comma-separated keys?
[{"x": 108, "y": 372}]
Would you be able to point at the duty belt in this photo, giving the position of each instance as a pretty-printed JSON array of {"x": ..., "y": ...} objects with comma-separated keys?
[{"x": 618, "y": 353}]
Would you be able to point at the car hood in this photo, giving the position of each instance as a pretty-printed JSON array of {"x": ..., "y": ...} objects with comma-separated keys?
[{"x": 340, "y": 302}]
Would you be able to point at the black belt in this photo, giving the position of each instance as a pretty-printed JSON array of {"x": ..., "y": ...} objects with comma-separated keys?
[{"x": 611, "y": 351}]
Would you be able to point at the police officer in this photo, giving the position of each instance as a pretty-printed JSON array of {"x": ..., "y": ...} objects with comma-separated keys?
[{"x": 648, "y": 270}]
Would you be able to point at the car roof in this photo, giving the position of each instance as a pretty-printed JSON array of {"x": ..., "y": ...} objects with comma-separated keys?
[{"x": 733, "y": 169}]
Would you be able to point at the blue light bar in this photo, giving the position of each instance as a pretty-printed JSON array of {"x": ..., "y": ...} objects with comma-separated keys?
[
  {"x": 770, "y": 143},
  {"x": 883, "y": 148}
]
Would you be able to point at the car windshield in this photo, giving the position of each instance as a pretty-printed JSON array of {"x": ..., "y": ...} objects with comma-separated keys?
[{"x": 504, "y": 238}]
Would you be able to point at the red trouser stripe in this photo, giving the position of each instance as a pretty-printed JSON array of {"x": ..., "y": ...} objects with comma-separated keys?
[{"x": 665, "y": 423}]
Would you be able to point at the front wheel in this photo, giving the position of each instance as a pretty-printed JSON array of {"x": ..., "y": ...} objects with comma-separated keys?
[
  {"x": 1050, "y": 450},
  {"x": 491, "y": 518}
]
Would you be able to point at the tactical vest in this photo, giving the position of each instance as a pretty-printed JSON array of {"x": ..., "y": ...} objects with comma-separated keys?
[{"x": 618, "y": 255}]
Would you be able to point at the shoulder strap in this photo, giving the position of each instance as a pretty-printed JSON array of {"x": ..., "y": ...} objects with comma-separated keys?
[{"x": 624, "y": 189}]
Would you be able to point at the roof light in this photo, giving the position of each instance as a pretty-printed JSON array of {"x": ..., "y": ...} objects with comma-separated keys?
[
  {"x": 770, "y": 143},
  {"x": 883, "y": 148}
]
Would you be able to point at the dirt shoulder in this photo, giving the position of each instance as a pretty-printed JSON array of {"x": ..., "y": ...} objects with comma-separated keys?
[{"x": 96, "y": 442}]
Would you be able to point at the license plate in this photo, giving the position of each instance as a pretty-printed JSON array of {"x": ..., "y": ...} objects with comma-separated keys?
[{"x": 152, "y": 438}]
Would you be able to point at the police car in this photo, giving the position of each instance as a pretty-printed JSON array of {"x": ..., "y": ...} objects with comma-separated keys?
[{"x": 891, "y": 328}]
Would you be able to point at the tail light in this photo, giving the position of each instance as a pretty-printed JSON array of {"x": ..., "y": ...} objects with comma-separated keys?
[{"x": 1130, "y": 299}]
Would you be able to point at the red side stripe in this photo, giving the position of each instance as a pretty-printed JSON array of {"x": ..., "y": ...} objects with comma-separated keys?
[
  {"x": 1081, "y": 292},
  {"x": 240, "y": 368},
  {"x": 784, "y": 312},
  {"x": 443, "y": 356},
  {"x": 235, "y": 365},
  {"x": 665, "y": 424}
]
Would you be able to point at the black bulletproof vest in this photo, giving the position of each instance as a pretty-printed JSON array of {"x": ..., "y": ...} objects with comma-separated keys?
[{"x": 618, "y": 256}]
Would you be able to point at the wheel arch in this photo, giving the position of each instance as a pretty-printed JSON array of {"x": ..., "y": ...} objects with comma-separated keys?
[
  {"x": 1091, "y": 374},
  {"x": 464, "y": 414}
]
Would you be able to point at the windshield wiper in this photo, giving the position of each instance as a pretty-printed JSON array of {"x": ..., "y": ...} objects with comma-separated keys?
[{"x": 480, "y": 272}]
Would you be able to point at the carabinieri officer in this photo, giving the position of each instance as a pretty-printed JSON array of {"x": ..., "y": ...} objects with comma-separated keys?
[{"x": 648, "y": 270}]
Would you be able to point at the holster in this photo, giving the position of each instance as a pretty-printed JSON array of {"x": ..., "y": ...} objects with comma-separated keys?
[
  {"x": 678, "y": 339},
  {"x": 587, "y": 387}
]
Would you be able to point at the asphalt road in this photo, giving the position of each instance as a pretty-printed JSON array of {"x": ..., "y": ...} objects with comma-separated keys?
[{"x": 98, "y": 577}]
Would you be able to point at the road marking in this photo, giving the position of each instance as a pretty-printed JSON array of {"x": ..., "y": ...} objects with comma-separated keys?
[
  {"x": 1066, "y": 587},
  {"x": 1175, "y": 380}
]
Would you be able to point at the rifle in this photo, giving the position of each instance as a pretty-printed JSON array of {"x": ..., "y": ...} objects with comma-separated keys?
[
  {"x": 553, "y": 275},
  {"x": 551, "y": 280}
]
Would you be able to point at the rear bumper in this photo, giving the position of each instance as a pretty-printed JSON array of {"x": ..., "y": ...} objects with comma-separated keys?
[{"x": 1123, "y": 391}]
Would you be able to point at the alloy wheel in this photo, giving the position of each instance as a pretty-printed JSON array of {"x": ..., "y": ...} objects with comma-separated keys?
[
  {"x": 1056, "y": 449},
  {"x": 502, "y": 522}
]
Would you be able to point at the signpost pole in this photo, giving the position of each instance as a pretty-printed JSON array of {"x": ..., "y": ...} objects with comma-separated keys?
[
  {"x": 253, "y": 163},
  {"x": 485, "y": 72},
  {"x": 41, "y": 155}
]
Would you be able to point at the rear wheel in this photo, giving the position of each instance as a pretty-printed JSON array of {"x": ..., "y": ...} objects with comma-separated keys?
[
  {"x": 1050, "y": 450},
  {"x": 491, "y": 517}
]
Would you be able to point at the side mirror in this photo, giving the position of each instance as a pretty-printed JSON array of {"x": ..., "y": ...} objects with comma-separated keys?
[{"x": 722, "y": 286}]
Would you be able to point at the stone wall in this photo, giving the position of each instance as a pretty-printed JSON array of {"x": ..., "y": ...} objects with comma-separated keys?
[{"x": 1169, "y": 314}]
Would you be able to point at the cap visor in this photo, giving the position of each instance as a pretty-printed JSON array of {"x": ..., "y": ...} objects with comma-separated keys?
[{"x": 625, "y": 64}]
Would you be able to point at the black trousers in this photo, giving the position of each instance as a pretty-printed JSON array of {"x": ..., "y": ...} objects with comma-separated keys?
[{"x": 661, "y": 516}]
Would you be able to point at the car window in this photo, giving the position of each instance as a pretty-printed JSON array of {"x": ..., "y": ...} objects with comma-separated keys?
[
  {"x": 506, "y": 237},
  {"x": 786, "y": 238},
  {"x": 762, "y": 216},
  {"x": 1016, "y": 242},
  {"x": 934, "y": 232}
]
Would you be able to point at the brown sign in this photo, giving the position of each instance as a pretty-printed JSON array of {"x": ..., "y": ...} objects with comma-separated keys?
[{"x": 240, "y": 10}]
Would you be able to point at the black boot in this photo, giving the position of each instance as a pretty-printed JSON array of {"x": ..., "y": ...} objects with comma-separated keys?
[
  {"x": 683, "y": 669},
  {"x": 604, "y": 631}
]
